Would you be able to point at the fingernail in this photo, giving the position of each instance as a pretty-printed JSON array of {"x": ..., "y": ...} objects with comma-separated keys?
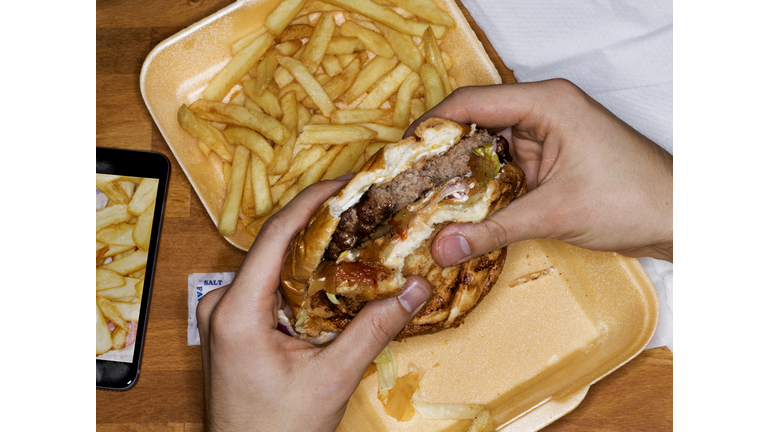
[
  {"x": 414, "y": 295},
  {"x": 346, "y": 176},
  {"x": 454, "y": 250}
]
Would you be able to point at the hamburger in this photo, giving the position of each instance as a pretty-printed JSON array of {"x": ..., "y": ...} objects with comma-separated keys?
[{"x": 363, "y": 242}]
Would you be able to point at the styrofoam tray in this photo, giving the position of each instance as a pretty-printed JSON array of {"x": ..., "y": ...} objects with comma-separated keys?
[{"x": 178, "y": 69}]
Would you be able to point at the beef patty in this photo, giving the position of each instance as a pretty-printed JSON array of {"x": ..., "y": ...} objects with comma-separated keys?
[{"x": 383, "y": 201}]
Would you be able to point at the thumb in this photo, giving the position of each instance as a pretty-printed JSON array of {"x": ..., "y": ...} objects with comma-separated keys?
[
  {"x": 530, "y": 216},
  {"x": 376, "y": 325}
]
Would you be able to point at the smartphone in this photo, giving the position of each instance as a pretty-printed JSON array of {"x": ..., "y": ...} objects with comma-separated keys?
[{"x": 131, "y": 189}]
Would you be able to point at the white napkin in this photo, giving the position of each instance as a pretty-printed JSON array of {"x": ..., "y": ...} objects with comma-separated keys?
[{"x": 618, "y": 51}]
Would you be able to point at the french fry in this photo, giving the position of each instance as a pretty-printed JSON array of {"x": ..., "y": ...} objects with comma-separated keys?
[
  {"x": 283, "y": 156},
  {"x": 110, "y": 312},
  {"x": 138, "y": 273},
  {"x": 143, "y": 230},
  {"x": 433, "y": 56},
  {"x": 106, "y": 279},
  {"x": 240, "y": 116},
  {"x": 254, "y": 227},
  {"x": 128, "y": 264},
  {"x": 310, "y": 85},
  {"x": 139, "y": 288},
  {"x": 404, "y": 46},
  {"x": 304, "y": 115},
  {"x": 353, "y": 116},
  {"x": 322, "y": 78},
  {"x": 372, "y": 148},
  {"x": 331, "y": 65},
  {"x": 316, "y": 171},
  {"x": 236, "y": 69},
  {"x": 246, "y": 40},
  {"x": 368, "y": 76},
  {"x": 319, "y": 119},
  {"x": 116, "y": 250},
  {"x": 289, "y": 195},
  {"x": 288, "y": 104},
  {"x": 103, "y": 336},
  {"x": 262, "y": 196},
  {"x": 345, "y": 45},
  {"x": 447, "y": 60},
  {"x": 247, "y": 205},
  {"x": 345, "y": 160},
  {"x": 230, "y": 211},
  {"x": 402, "y": 111},
  {"x": 316, "y": 46},
  {"x": 277, "y": 190},
  {"x": 388, "y": 17},
  {"x": 111, "y": 187},
  {"x": 334, "y": 134},
  {"x": 119, "y": 335},
  {"x": 427, "y": 10},
  {"x": 112, "y": 215},
  {"x": 101, "y": 250},
  {"x": 207, "y": 134},
  {"x": 125, "y": 291},
  {"x": 303, "y": 160},
  {"x": 385, "y": 133},
  {"x": 251, "y": 140},
  {"x": 287, "y": 49},
  {"x": 433, "y": 86},
  {"x": 374, "y": 42},
  {"x": 385, "y": 88},
  {"x": 144, "y": 196},
  {"x": 296, "y": 89},
  {"x": 313, "y": 6},
  {"x": 343, "y": 81},
  {"x": 359, "y": 164},
  {"x": 417, "y": 108},
  {"x": 283, "y": 14},
  {"x": 295, "y": 32},
  {"x": 264, "y": 73},
  {"x": 282, "y": 77},
  {"x": 129, "y": 311},
  {"x": 117, "y": 234},
  {"x": 267, "y": 101}
]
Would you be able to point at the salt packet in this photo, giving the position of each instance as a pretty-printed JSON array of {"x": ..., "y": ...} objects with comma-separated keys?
[{"x": 198, "y": 285}]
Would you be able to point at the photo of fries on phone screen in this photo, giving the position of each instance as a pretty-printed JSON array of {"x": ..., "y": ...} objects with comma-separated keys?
[
  {"x": 314, "y": 93},
  {"x": 124, "y": 213}
]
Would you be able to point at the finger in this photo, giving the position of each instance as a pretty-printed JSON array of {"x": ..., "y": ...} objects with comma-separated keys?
[
  {"x": 524, "y": 218},
  {"x": 205, "y": 307},
  {"x": 375, "y": 326},
  {"x": 490, "y": 107}
]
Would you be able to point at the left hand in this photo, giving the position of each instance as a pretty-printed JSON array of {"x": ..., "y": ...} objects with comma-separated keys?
[{"x": 258, "y": 378}]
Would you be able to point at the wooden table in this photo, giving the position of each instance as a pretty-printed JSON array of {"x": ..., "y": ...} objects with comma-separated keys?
[{"x": 169, "y": 392}]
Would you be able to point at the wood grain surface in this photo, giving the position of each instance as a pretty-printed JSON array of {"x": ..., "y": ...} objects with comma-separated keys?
[{"x": 169, "y": 393}]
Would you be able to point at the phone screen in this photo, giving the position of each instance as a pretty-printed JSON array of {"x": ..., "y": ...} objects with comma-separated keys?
[{"x": 130, "y": 193}]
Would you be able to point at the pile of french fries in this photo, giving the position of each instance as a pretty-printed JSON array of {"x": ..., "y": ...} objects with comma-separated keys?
[
  {"x": 123, "y": 233},
  {"x": 313, "y": 94}
]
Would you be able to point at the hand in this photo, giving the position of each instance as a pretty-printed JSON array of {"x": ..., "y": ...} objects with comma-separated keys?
[
  {"x": 593, "y": 180},
  {"x": 258, "y": 378}
]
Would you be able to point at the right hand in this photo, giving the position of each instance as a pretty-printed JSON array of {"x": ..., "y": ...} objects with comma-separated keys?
[{"x": 593, "y": 180}]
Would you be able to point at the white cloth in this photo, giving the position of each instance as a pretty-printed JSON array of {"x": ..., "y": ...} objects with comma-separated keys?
[{"x": 617, "y": 51}]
